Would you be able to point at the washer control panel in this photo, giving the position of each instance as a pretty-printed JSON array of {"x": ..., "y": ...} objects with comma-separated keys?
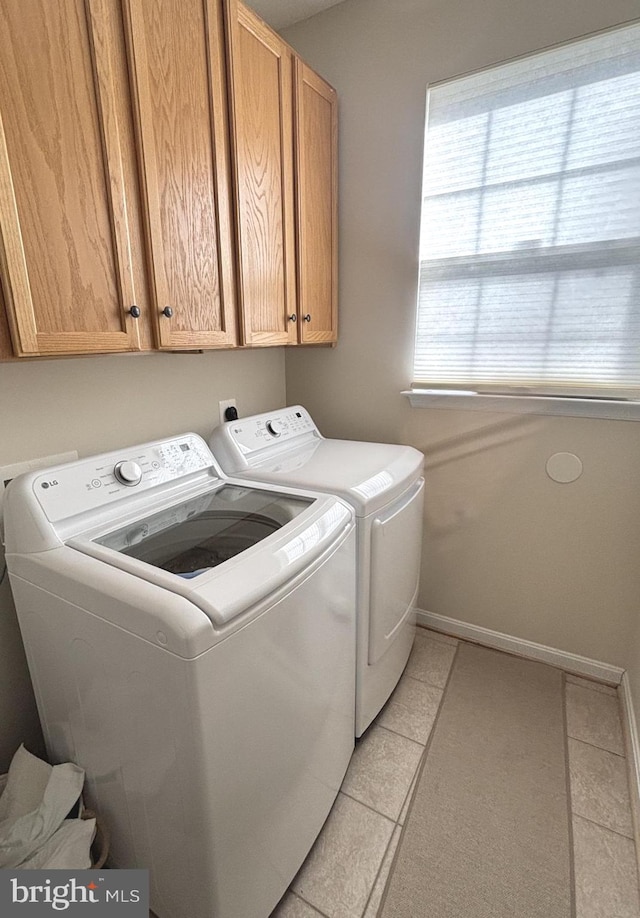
[
  {"x": 260, "y": 431},
  {"x": 92, "y": 483}
]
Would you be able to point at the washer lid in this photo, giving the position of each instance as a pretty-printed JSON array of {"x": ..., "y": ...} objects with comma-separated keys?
[
  {"x": 195, "y": 536},
  {"x": 222, "y": 560},
  {"x": 368, "y": 475}
]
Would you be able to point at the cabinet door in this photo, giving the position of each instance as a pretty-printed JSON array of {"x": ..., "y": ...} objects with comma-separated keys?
[
  {"x": 261, "y": 73},
  {"x": 65, "y": 188},
  {"x": 316, "y": 132},
  {"x": 6, "y": 350},
  {"x": 177, "y": 63}
]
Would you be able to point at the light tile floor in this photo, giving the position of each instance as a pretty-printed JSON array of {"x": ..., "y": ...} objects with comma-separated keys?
[{"x": 346, "y": 871}]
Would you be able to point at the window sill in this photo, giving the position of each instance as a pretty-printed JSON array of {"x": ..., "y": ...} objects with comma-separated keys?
[{"x": 618, "y": 410}]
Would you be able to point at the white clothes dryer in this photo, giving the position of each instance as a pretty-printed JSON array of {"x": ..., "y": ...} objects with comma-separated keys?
[
  {"x": 191, "y": 642},
  {"x": 384, "y": 485}
]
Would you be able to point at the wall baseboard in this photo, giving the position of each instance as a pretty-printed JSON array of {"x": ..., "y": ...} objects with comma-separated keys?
[
  {"x": 570, "y": 662},
  {"x": 632, "y": 743}
]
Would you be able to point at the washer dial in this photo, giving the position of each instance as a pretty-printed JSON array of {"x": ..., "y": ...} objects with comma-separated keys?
[
  {"x": 128, "y": 473},
  {"x": 275, "y": 427}
]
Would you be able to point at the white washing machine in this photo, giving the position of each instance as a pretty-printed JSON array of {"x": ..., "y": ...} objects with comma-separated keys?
[
  {"x": 191, "y": 642},
  {"x": 384, "y": 484}
]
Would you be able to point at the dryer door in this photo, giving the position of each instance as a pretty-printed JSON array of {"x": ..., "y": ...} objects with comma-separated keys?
[{"x": 396, "y": 548}]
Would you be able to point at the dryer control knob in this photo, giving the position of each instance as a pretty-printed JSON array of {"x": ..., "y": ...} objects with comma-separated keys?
[
  {"x": 128, "y": 473},
  {"x": 275, "y": 428}
]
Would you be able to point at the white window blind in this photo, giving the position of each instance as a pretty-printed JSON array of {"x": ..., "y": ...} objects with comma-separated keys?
[{"x": 530, "y": 232}]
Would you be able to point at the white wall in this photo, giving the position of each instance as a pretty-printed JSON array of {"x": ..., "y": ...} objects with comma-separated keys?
[
  {"x": 505, "y": 547},
  {"x": 96, "y": 404}
]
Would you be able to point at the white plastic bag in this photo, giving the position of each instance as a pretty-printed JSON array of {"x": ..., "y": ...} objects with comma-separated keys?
[{"x": 34, "y": 831}]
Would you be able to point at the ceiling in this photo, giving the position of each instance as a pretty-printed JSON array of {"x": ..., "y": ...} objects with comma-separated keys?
[{"x": 282, "y": 13}]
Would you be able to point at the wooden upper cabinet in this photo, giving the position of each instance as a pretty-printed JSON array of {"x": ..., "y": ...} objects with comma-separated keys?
[
  {"x": 68, "y": 196},
  {"x": 169, "y": 159},
  {"x": 316, "y": 132},
  {"x": 261, "y": 87},
  {"x": 284, "y": 144},
  {"x": 6, "y": 350},
  {"x": 177, "y": 63}
]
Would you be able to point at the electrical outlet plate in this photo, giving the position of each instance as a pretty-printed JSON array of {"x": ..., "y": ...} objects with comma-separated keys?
[
  {"x": 8, "y": 472},
  {"x": 223, "y": 405}
]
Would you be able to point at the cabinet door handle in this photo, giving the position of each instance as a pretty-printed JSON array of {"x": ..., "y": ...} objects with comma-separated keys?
[
  {"x": 134, "y": 312},
  {"x": 167, "y": 311},
  {"x": 293, "y": 317},
  {"x": 307, "y": 318}
]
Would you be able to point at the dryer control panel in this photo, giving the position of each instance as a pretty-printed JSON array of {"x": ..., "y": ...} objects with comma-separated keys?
[
  {"x": 88, "y": 484},
  {"x": 263, "y": 430}
]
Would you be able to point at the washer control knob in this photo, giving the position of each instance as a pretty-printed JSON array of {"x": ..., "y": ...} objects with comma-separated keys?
[
  {"x": 128, "y": 473},
  {"x": 275, "y": 428}
]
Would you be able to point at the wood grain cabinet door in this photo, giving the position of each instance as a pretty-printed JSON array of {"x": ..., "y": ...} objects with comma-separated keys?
[
  {"x": 67, "y": 186},
  {"x": 316, "y": 206},
  {"x": 177, "y": 63},
  {"x": 6, "y": 347},
  {"x": 261, "y": 75}
]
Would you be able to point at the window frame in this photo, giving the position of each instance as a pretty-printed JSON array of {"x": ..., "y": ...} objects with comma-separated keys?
[{"x": 540, "y": 394}]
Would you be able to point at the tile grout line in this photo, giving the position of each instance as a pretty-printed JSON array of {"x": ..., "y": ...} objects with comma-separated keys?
[
  {"x": 576, "y": 739},
  {"x": 377, "y": 813},
  {"x": 372, "y": 809},
  {"x": 404, "y": 735},
  {"x": 627, "y": 757},
  {"x": 567, "y": 777},
  {"x": 396, "y": 826},
  {"x": 438, "y": 688},
  {"x": 419, "y": 770},
  {"x": 620, "y": 755},
  {"x": 412, "y": 789},
  {"x": 395, "y": 733},
  {"x": 440, "y": 636},
  {"x": 412, "y": 786},
  {"x": 302, "y": 899},
  {"x": 629, "y": 735},
  {"x": 421, "y": 681},
  {"x": 602, "y": 826},
  {"x": 427, "y": 745},
  {"x": 378, "y": 871},
  {"x": 396, "y": 822},
  {"x": 425, "y": 682}
]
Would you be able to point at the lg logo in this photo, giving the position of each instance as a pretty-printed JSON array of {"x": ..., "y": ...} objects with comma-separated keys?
[{"x": 49, "y": 484}]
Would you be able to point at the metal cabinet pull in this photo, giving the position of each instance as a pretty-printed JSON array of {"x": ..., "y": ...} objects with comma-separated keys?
[
  {"x": 134, "y": 312},
  {"x": 307, "y": 318},
  {"x": 293, "y": 317},
  {"x": 167, "y": 311}
]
